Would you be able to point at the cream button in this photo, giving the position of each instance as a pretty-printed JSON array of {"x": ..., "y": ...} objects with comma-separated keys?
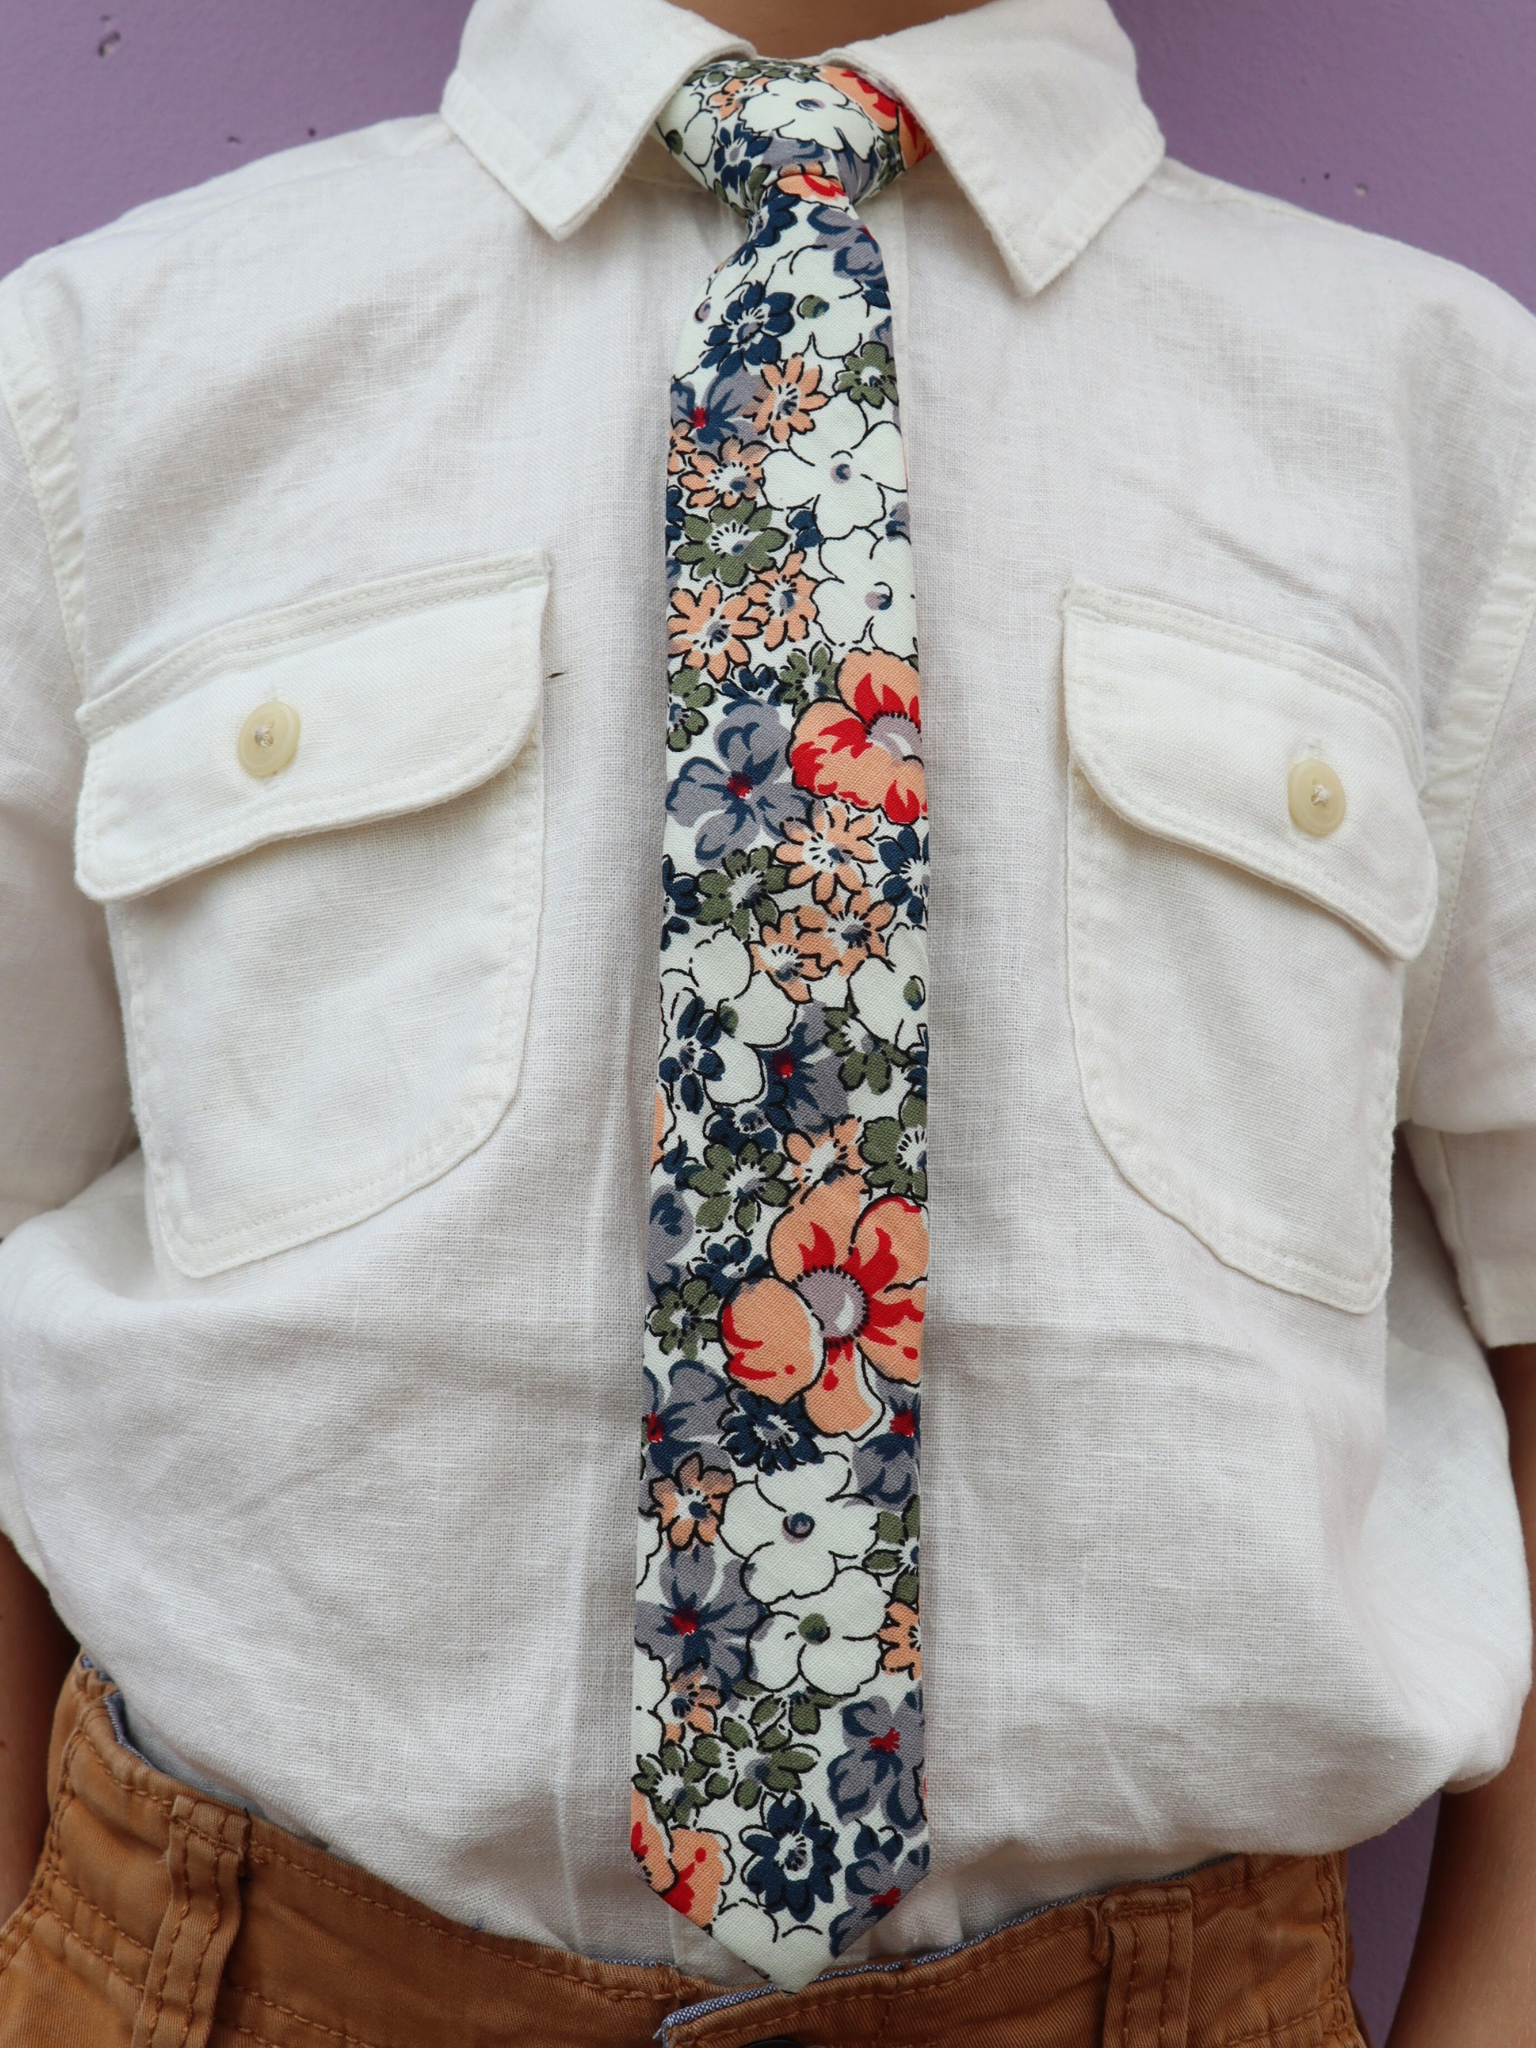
[
  {"x": 269, "y": 739},
  {"x": 1317, "y": 798}
]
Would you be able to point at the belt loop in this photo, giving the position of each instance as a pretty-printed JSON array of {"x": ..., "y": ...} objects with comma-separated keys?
[
  {"x": 206, "y": 1855},
  {"x": 1150, "y": 1938}
]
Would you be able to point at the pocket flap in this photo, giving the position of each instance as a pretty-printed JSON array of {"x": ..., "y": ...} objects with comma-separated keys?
[
  {"x": 408, "y": 691},
  {"x": 1189, "y": 728}
]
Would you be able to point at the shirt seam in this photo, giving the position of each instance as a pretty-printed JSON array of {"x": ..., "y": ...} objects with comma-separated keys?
[
  {"x": 42, "y": 433},
  {"x": 1459, "y": 763}
]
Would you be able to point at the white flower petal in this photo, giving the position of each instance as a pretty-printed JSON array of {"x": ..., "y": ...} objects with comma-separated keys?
[
  {"x": 847, "y": 1527},
  {"x": 790, "y": 1571},
  {"x": 854, "y": 1605},
  {"x": 776, "y": 1652},
  {"x": 846, "y": 502},
  {"x": 788, "y": 481},
  {"x": 763, "y": 1012},
  {"x": 839, "y": 1665},
  {"x": 650, "y": 1688},
  {"x": 843, "y": 613},
  {"x": 743, "y": 1073},
  {"x": 791, "y": 1959},
  {"x": 803, "y": 1488},
  {"x": 841, "y": 425},
  {"x": 722, "y": 967},
  {"x": 749, "y": 1520},
  {"x": 880, "y": 455}
]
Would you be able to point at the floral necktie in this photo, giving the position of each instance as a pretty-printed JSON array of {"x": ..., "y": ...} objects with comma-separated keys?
[{"x": 778, "y": 1790}]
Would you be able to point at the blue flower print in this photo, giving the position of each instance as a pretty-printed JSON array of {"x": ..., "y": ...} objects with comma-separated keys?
[
  {"x": 748, "y": 333},
  {"x": 775, "y": 214},
  {"x": 793, "y": 1858},
  {"x": 772, "y": 1435},
  {"x": 669, "y": 1234},
  {"x": 728, "y": 1262},
  {"x": 737, "y": 149},
  {"x": 805, "y": 534},
  {"x": 682, "y": 902},
  {"x": 905, "y": 857},
  {"x": 883, "y": 1763},
  {"x": 716, "y": 410},
  {"x": 743, "y": 1123},
  {"x": 805, "y": 1085},
  {"x": 704, "y": 1618},
  {"x": 692, "y": 1063},
  {"x": 884, "y": 1869},
  {"x": 747, "y": 795},
  {"x": 885, "y": 1463},
  {"x": 686, "y": 1418},
  {"x": 855, "y": 253}
]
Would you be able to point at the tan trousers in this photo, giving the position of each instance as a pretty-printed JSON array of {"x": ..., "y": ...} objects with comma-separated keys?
[{"x": 161, "y": 1919}]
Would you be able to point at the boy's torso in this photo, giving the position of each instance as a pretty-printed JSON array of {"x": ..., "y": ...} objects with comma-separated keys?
[{"x": 364, "y": 1390}]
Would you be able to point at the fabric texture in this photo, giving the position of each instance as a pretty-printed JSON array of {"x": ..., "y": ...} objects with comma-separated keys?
[
  {"x": 161, "y": 1919},
  {"x": 1211, "y": 1563},
  {"x": 788, "y": 1255}
]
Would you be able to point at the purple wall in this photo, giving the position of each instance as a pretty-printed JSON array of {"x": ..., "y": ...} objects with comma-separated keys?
[{"x": 1410, "y": 117}]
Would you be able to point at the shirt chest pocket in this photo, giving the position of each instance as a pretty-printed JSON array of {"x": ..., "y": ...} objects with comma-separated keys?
[
  {"x": 1248, "y": 874},
  {"x": 319, "y": 836}
]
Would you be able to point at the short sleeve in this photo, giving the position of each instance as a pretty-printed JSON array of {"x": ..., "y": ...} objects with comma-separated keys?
[{"x": 1471, "y": 1102}]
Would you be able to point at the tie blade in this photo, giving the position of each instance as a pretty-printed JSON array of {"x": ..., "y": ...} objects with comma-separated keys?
[{"x": 778, "y": 1785}]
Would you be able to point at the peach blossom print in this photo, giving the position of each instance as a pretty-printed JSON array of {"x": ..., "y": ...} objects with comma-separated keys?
[
  {"x": 849, "y": 1290},
  {"x": 903, "y": 1639},
  {"x": 711, "y": 630},
  {"x": 866, "y": 748},
  {"x": 830, "y": 851},
  {"x": 813, "y": 1160},
  {"x": 786, "y": 397},
  {"x": 724, "y": 479},
  {"x": 785, "y": 597}
]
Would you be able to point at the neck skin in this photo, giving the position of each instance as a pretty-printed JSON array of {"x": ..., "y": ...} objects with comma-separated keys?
[{"x": 801, "y": 28}]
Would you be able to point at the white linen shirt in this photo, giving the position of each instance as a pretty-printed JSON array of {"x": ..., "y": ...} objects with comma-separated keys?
[{"x": 322, "y": 1406}]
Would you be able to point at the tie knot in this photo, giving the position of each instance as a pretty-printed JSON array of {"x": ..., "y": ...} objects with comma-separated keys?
[{"x": 816, "y": 132}]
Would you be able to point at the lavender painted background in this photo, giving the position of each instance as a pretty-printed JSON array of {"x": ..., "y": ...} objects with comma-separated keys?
[{"x": 1409, "y": 117}]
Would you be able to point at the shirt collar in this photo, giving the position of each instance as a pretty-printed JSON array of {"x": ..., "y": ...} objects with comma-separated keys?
[{"x": 1032, "y": 104}]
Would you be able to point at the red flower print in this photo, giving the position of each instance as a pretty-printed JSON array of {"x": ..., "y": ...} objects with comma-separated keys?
[
  {"x": 915, "y": 143},
  {"x": 850, "y": 1286},
  {"x": 685, "y": 1866},
  {"x": 803, "y": 183},
  {"x": 865, "y": 745},
  {"x": 879, "y": 106}
]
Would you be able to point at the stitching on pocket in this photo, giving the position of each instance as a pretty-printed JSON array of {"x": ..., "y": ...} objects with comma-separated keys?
[
  {"x": 1100, "y": 606},
  {"x": 1355, "y": 1289},
  {"x": 242, "y": 641}
]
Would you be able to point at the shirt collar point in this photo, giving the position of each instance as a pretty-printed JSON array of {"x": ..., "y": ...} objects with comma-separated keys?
[{"x": 562, "y": 184}]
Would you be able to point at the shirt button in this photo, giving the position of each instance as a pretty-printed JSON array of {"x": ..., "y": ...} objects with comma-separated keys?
[
  {"x": 1317, "y": 798},
  {"x": 269, "y": 739}
]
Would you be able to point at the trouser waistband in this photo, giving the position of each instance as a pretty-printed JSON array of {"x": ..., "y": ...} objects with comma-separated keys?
[{"x": 160, "y": 1918}]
